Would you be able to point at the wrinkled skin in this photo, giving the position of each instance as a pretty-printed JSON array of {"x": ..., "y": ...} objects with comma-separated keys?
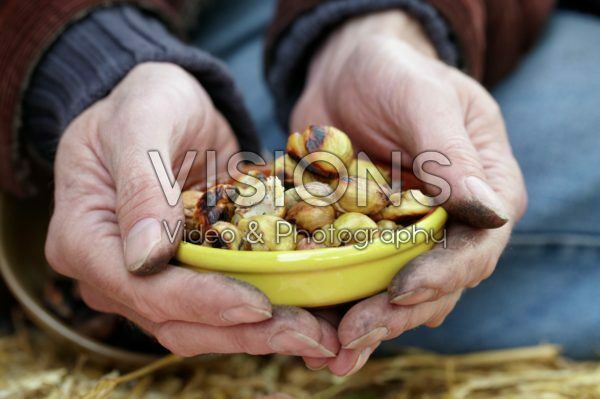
[
  {"x": 108, "y": 209},
  {"x": 377, "y": 78}
]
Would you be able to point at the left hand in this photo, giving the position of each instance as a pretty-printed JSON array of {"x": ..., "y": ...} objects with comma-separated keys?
[{"x": 377, "y": 79}]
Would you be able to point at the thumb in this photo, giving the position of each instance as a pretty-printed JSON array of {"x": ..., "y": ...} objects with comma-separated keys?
[
  {"x": 150, "y": 227},
  {"x": 472, "y": 200}
]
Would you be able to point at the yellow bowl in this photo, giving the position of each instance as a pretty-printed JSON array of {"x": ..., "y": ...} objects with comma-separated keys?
[{"x": 320, "y": 277}]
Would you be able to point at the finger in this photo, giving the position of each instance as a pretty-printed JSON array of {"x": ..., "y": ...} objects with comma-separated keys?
[
  {"x": 350, "y": 361},
  {"x": 485, "y": 124},
  {"x": 175, "y": 294},
  {"x": 375, "y": 319},
  {"x": 469, "y": 257},
  {"x": 151, "y": 228},
  {"x": 180, "y": 294},
  {"x": 441, "y": 128},
  {"x": 139, "y": 144},
  {"x": 278, "y": 395},
  {"x": 328, "y": 320},
  {"x": 99, "y": 302},
  {"x": 331, "y": 315},
  {"x": 316, "y": 363},
  {"x": 291, "y": 331}
]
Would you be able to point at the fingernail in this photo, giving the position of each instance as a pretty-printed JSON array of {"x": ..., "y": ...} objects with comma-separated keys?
[
  {"x": 360, "y": 362},
  {"x": 246, "y": 314},
  {"x": 140, "y": 242},
  {"x": 370, "y": 338},
  {"x": 414, "y": 297},
  {"x": 316, "y": 368},
  {"x": 290, "y": 341},
  {"x": 485, "y": 196}
]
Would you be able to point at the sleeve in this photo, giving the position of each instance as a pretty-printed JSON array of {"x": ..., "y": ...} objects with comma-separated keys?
[
  {"x": 485, "y": 38},
  {"x": 42, "y": 90},
  {"x": 493, "y": 35},
  {"x": 27, "y": 29},
  {"x": 93, "y": 55}
]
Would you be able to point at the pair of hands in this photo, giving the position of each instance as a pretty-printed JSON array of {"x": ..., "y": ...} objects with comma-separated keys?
[{"x": 387, "y": 91}]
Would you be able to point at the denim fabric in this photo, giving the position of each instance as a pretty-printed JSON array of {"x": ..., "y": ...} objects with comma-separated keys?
[
  {"x": 234, "y": 31},
  {"x": 547, "y": 285}
]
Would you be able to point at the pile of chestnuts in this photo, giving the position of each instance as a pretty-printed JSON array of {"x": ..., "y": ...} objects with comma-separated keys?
[{"x": 301, "y": 201}]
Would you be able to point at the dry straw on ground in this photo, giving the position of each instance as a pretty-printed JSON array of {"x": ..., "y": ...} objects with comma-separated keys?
[{"x": 31, "y": 366}]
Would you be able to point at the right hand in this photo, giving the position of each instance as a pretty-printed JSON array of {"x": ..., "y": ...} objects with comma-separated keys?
[
  {"x": 378, "y": 79},
  {"x": 108, "y": 215}
]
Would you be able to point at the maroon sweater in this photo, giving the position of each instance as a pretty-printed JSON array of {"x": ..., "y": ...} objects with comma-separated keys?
[{"x": 491, "y": 34}]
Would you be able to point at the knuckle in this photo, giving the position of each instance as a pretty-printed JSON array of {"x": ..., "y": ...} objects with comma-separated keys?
[
  {"x": 439, "y": 317},
  {"x": 436, "y": 322},
  {"x": 146, "y": 308},
  {"x": 295, "y": 318},
  {"x": 458, "y": 279},
  {"x": 211, "y": 280},
  {"x": 137, "y": 107},
  {"x": 242, "y": 344},
  {"x": 488, "y": 269},
  {"x": 179, "y": 294},
  {"x": 151, "y": 315},
  {"x": 460, "y": 151},
  {"x": 54, "y": 256},
  {"x": 413, "y": 272},
  {"x": 93, "y": 301},
  {"x": 448, "y": 277},
  {"x": 493, "y": 107},
  {"x": 442, "y": 311},
  {"x": 402, "y": 321},
  {"x": 168, "y": 337},
  {"x": 57, "y": 249},
  {"x": 137, "y": 194}
]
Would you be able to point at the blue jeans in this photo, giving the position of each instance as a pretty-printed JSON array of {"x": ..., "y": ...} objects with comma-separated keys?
[{"x": 547, "y": 284}]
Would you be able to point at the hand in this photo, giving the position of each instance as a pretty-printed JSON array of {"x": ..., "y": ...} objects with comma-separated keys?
[
  {"x": 108, "y": 215},
  {"x": 378, "y": 80}
]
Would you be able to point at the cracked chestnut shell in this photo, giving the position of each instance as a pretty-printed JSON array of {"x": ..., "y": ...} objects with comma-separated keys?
[
  {"x": 268, "y": 205},
  {"x": 190, "y": 199},
  {"x": 224, "y": 235},
  {"x": 375, "y": 198},
  {"x": 268, "y": 233},
  {"x": 353, "y": 227},
  {"x": 310, "y": 217},
  {"x": 359, "y": 164},
  {"x": 403, "y": 206},
  {"x": 321, "y": 139},
  {"x": 216, "y": 204},
  {"x": 385, "y": 224},
  {"x": 308, "y": 243}
]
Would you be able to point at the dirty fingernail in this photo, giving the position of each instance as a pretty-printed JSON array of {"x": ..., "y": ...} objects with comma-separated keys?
[
  {"x": 374, "y": 336},
  {"x": 142, "y": 239},
  {"x": 360, "y": 361},
  {"x": 488, "y": 204},
  {"x": 246, "y": 314},
  {"x": 414, "y": 297},
  {"x": 290, "y": 341}
]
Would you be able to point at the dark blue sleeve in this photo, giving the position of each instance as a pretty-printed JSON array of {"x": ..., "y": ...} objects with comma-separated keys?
[{"x": 90, "y": 58}]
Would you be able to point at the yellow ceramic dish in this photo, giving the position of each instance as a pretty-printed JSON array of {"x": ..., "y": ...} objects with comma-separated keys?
[{"x": 319, "y": 277}]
